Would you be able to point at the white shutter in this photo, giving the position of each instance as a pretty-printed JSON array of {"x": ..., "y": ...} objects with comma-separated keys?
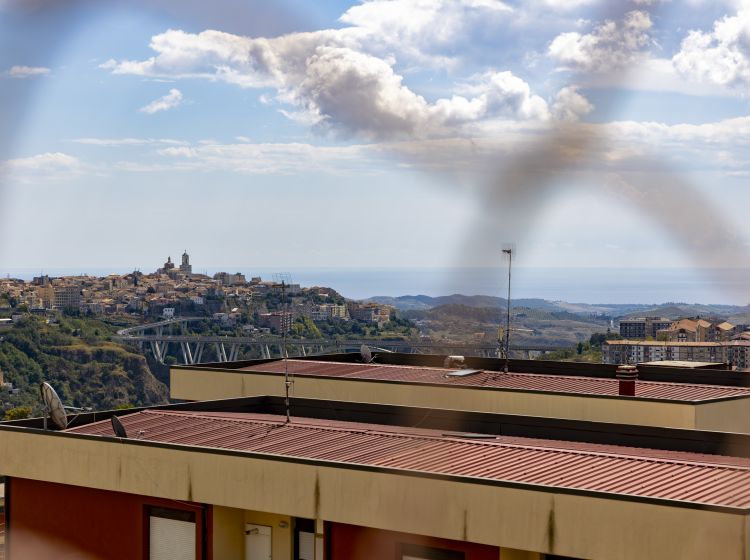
[
  {"x": 306, "y": 546},
  {"x": 171, "y": 539},
  {"x": 257, "y": 542}
]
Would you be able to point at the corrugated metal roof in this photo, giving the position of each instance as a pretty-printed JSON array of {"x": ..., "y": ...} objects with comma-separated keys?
[
  {"x": 595, "y": 386},
  {"x": 687, "y": 477}
]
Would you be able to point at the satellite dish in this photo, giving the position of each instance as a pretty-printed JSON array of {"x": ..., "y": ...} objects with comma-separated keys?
[
  {"x": 366, "y": 354},
  {"x": 118, "y": 427},
  {"x": 53, "y": 407}
]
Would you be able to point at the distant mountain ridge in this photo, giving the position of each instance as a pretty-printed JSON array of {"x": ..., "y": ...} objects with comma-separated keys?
[{"x": 670, "y": 310}]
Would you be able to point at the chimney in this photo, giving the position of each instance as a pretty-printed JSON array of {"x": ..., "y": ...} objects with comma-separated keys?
[{"x": 627, "y": 376}]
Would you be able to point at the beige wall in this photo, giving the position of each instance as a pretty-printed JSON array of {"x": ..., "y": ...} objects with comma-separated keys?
[
  {"x": 206, "y": 385},
  {"x": 724, "y": 416},
  {"x": 578, "y": 526}
]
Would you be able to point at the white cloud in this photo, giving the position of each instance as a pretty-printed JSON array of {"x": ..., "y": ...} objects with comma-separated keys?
[
  {"x": 46, "y": 166},
  {"x": 264, "y": 158},
  {"x": 569, "y": 4},
  {"x": 721, "y": 56},
  {"x": 427, "y": 31},
  {"x": 331, "y": 84},
  {"x": 610, "y": 46},
  {"x": 570, "y": 105},
  {"x": 117, "y": 142},
  {"x": 21, "y": 72},
  {"x": 164, "y": 103}
]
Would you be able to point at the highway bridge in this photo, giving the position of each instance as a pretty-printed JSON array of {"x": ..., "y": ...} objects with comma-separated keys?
[{"x": 196, "y": 349}]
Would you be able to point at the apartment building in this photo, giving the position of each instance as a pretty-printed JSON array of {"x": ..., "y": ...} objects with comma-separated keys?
[
  {"x": 236, "y": 480},
  {"x": 643, "y": 327},
  {"x": 327, "y": 311},
  {"x": 280, "y": 321},
  {"x": 370, "y": 312},
  {"x": 679, "y": 398},
  {"x": 735, "y": 353}
]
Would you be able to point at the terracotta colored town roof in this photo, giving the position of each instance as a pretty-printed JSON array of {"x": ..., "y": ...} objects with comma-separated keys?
[
  {"x": 689, "y": 478},
  {"x": 593, "y": 386}
]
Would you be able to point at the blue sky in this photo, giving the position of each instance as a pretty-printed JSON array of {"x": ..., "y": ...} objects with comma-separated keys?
[{"x": 387, "y": 133}]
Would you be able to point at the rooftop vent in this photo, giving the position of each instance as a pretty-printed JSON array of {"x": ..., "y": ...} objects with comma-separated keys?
[
  {"x": 454, "y": 361},
  {"x": 626, "y": 376}
]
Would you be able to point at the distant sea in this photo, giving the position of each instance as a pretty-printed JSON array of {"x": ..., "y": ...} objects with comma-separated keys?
[{"x": 575, "y": 285}]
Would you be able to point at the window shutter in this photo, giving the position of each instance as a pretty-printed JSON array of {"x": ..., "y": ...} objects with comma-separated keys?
[{"x": 171, "y": 539}]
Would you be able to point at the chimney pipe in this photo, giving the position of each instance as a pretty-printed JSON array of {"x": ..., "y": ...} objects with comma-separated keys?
[{"x": 626, "y": 376}]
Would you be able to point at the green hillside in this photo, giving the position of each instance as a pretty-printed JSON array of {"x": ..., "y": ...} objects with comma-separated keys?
[{"x": 76, "y": 357}]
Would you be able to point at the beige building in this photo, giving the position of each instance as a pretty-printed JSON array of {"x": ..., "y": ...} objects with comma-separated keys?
[
  {"x": 484, "y": 388},
  {"x": 735, "y": 353},
  {"x": 370, "y": 312},
  {"x": 236, "y": 480}
]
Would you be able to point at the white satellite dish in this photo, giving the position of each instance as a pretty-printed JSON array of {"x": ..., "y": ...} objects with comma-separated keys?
[
  {"x": 366, "y": 353},
  {"x": 53, "y": 407}
]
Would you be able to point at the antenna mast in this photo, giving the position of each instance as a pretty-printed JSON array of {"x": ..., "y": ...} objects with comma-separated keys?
[
  {"x": 284, "y": 312},
  {"x": 508, "y": 251}
]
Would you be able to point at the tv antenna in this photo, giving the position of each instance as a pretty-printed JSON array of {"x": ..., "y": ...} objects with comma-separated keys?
[
  {"x": 284, "y": 278},
  {"x": 54, "y": 409},
  {"x": 508, "y": 250}
]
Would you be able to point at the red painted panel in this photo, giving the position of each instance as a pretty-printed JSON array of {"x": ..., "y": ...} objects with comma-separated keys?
[
  {"x": 58, "y": 521},
  {"x": 350, "y": 542}
]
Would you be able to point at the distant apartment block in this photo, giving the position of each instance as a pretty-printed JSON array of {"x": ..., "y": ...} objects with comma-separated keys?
[
  {"x": 697, "y": 330},
  {"x": 67, "y": 297},
  {"x": 680, "y": 330},
  {"x": 280, "y": 321},
  {"x": 328, "y": 311},
  {"x": 735, "y": 353},
  {"x": 640, "y": 328},
  {"x": 227, "y": 279},
  {"x": 370, "y": 312}
]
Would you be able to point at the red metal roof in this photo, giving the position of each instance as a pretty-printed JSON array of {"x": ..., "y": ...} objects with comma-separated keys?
[
  {"x": 687, "y": 477},
  {"x": 595, "y": 386}
]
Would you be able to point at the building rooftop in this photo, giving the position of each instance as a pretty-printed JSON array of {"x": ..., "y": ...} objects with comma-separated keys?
[
  {"x": 678, "y": 477},
  {"x": 684, "y": 364},
  {"x": 532, "y": 382}
]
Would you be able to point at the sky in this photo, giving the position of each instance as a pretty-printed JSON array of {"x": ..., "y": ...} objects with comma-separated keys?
[{"x": 382, "y": 133}]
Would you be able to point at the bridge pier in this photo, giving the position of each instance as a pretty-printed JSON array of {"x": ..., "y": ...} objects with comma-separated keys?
[{"x": 187, "y": 355}]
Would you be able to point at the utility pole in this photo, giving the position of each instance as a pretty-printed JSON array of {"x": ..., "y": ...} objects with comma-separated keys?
[{"x": 508, "y": 252}]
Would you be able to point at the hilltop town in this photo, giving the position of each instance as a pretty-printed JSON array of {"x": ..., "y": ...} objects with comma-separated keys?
[{"x": 173, "y": 290}]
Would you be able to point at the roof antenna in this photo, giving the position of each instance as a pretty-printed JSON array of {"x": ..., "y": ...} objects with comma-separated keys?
[
  {"x": 508, "y": 249},
  {"x": 284, "y": 277}
]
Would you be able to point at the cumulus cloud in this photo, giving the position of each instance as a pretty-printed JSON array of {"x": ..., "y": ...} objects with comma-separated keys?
[
  {"x": 720, "y": 56},
  {"x": 428, "y": 31},
  {"x": 331, "y": 84},
  {"x": 21, "y": 72},
  {"x": 570, "y": 105},
  {"x": 608, "y": 47},
  {"x": 164, "y": 103}
]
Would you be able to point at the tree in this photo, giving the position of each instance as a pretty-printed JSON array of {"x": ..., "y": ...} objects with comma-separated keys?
[
  {"x": 579, "y": 348},
  {"x": 17, "y": 413}
]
